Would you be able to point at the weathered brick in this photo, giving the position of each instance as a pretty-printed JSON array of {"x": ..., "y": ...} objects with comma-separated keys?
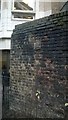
[{"x": 37, "y": 65}]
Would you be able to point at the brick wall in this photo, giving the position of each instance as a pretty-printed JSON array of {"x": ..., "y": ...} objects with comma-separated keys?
[{"x": 38, "y": 67}]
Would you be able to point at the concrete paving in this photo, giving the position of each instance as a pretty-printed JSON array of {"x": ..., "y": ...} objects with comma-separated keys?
[{"x": 0, "y": 97}]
